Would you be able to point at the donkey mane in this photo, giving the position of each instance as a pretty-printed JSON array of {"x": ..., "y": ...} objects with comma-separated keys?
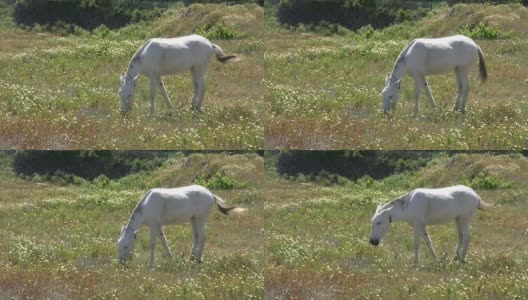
[
  {"x": 137, "y": 209},
  {"x": 401, "y": 57},
  {"x": 398, "y": 201}
]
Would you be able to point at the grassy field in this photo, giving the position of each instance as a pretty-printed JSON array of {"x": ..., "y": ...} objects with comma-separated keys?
[
  {"x": 323, "y": 91},
  {"x": 60, "y": 91},
  {"x": 59, "y": 241},
  {"x": 317, "y": 236}
]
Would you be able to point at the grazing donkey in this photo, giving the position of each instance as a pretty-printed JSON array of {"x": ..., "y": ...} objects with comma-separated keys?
[
  {"x": 170, "y": 56},
  {"x": 433, "y": 56},
  {"x": 423, "y": 207},
  {"x": 159, "y": 207}
]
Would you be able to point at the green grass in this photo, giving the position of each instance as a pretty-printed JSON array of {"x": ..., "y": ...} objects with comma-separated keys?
[
  {"x": 317, "y": 237},
  {"x": 60, "y": 241},
  {"x": 59, "y": 90},
  {"x": 323, "y": 92}
]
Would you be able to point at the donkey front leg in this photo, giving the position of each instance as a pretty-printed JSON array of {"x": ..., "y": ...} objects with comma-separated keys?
[
  {"x": 153, "y": 88},
  {"x": 163, "y": 91},
  {"x": 154, "y": 233},
  {"x": 418, "y": 232},
  {"x": 428, "y": 93},
  {"x": 428, "y": 242},
  {"x": 418, "y": 82},
  {"x": 164, "y": 243}
]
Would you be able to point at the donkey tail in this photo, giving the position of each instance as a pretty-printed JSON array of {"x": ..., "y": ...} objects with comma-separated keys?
[
  {"x": 482, "y": 66},
  {"x": 483, "y": 205},
  {"x": 226, "y": 210},
  {"x": 222, "y": 57}
]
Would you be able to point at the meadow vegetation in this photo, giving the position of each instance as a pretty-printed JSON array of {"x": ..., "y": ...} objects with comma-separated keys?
[
  {"x": 59, "y": 239},
  {"x": 317, "y": 235},
  {"x": 59, "y": 84},
  {"x": 323, "y": 84}
]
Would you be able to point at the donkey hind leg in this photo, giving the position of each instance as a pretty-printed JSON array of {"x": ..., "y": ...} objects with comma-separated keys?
[
  {"x": 163, "y": 91},
  {"x": 199, "y": 81},
  {"x": 428, "y": 242},
  {"x": 418, "y": 82},
  {"x": 164, "y": 243},
  {"x": 459, "y": 89},
  {"x": 428, "y": 93},
  {"x": 464, "y": 77},
  {"x": 194, "y": 77},
  {"x": 465, "y": 238},
  {"x": 195, "y": 239},
  {"x": 460, "y": 239},
  {"x": 200, "y": 226}
]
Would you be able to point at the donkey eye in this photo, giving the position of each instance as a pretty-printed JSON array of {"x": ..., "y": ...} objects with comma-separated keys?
[{"x": 379, "y": 223}]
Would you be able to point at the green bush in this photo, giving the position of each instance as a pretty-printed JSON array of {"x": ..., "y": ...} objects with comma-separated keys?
[
  {"x": 486, "y": 182},
  {"x": 219, "y": 31},
  {"x": 217, "y": 181},
  {"x": 483, "y": 31}
]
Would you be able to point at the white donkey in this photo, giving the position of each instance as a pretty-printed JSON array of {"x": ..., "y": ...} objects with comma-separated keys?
[
  {"x": 423, "y": 207},
  {"x": 171, "y": 206},
  {"x": 433, "y": 56},
  {"x": 170, "y": 56}
]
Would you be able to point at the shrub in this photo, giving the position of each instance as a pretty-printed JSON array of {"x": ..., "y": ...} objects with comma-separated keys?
[
  {"x": 483, "y": 31},
  {"x": 217, "y": 181},
  {"x": 219, "y": 31},
  {"x": 486, "y": 182}
]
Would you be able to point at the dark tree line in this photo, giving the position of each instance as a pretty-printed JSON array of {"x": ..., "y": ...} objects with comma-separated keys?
[
  {"x": 355, "y": 14},
  {"x": 90, "y": 14},
  {"x": 86, "y": 164},
  {"x": 356, "y": 164}
]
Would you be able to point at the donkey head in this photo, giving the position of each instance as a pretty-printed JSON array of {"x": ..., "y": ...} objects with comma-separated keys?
[
  {"x": 126, "y": 91},
  {"x": 390, "y": 92},
  {"x": 126, "y": 242},
  {"x": 380, "y": 224}
]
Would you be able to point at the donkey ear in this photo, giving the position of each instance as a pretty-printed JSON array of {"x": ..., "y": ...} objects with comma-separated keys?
[{"x": 122, "y": 77}]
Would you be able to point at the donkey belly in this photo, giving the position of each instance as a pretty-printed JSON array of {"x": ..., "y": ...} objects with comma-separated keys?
[{"x": 438, "y": 62}]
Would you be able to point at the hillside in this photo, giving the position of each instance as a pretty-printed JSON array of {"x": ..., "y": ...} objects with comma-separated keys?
[
  {"x": 317, "y": 236},
  {"x": 324, "y": 89},
  {"x": 59, "y": 241},
  {"x": 60, "y": 85}
]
